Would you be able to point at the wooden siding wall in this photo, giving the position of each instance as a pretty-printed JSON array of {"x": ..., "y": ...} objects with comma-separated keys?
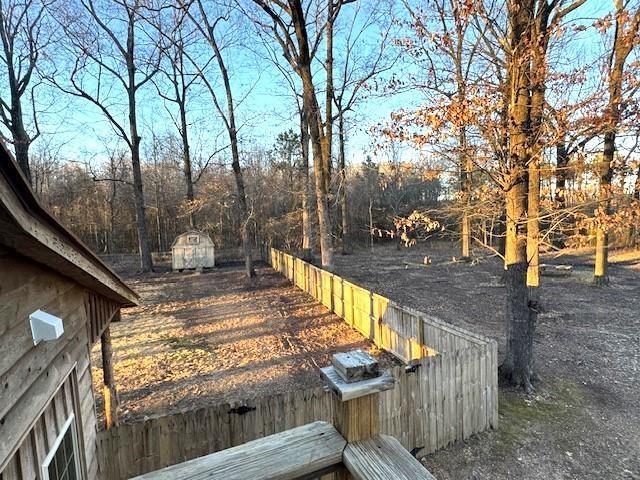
[
  {"x": 446, "y": 392},
  {"x": 30, "y": 375},
  {"x": 26, "y": 463}
]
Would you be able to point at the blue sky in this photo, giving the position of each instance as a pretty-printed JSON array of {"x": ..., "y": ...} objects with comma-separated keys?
[{"x": 78, "y": 131}]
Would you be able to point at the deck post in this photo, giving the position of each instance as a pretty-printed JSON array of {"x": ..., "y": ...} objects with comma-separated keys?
[
  {"x": 109, "y": 384},
  {"x": 357, "y": 381},
  {"x": 358, "y": 419}
]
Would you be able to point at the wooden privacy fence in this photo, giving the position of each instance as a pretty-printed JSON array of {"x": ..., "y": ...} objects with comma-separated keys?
[
  {"x": 457, "y": 384},
  {"x": 403, "y": 331},
  {"x": 446, "y": 392}
]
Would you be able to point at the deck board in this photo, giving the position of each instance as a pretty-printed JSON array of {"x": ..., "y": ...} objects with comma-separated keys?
[{"x": 381, "y": 458}]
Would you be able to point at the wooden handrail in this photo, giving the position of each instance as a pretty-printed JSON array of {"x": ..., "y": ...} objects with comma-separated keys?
[{"x": 304, "y": 452}]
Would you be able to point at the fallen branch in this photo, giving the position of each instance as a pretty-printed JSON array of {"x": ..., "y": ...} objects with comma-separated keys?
[{"x": 555, "y": 270}]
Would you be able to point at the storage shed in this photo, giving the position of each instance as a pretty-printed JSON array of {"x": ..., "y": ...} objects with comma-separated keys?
[
  {"x": 56, "y": 300},
  {"x": 192, "y": 250}
]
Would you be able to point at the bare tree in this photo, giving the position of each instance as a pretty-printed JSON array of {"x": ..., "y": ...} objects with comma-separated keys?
[
  {"x": 332, "y": 13},
  {"x": 627, "y": 24},
  {"x": 356, "y": 67},
  {"x": 289, "y": 78},
  {"x": 25, "y": 35},
  {"x": 207, "y": 27},
  {"x": 181, "y": 80},
  {"x": 452, "y": 52},
  {"x": 115, "y": 52},
  {"x": 288, "y": 24}
]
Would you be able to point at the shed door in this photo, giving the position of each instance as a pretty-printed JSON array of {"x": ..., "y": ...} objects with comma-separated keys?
[{"x": 189, "y": 257}]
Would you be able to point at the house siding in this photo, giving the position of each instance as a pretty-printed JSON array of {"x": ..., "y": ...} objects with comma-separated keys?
[{"x": 42, "y": 384}]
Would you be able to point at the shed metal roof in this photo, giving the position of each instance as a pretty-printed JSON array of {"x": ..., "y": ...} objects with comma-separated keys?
[{"x": 192, "y": 231}]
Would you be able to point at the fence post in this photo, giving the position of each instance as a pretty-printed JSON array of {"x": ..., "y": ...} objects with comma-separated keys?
[{"x": 332, "y": 309}]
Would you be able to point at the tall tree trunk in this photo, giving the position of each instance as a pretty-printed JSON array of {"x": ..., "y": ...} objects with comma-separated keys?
[
  {"x": 600, "y": 276},
  {"x": 533, "y": 231},
  {"x": 503, "y": 155},
  {"x": 560, "y": 197},
  {"x": 562, "y": 164},
  {"x": 181, "y": 87},
  {"x": 623, "y": 42},
  {"x": 307, "y": 232},
  {"x": 21, "y": 35},
  {"x": 244, "y": 210},
  {"x": 537, "y": 77},
  {"x": 466, "y": 166},
  {"x": 235, "y": 158},
  {"x": 146, "y": 264},
  {"x": 328, "y": 136},
  {"x": 20, "y": 137},
  {"x": 464, "y": 160},
  {"x": 318, "y": 142},
  {"x": 518, "y": 363},
  {"x": 21, "y": 140},
  {"x": 344, "y": 209},
  {"x": 186, "y": 163}
]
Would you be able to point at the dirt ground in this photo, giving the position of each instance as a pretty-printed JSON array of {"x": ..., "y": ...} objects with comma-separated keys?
[
  {"x": 199, "y": 339},
  {"x": 583, "y": 421}
]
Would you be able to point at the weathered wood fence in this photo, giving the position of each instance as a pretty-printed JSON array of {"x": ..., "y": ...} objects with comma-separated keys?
[
  {"x": 446, "y": 392},
  {"x": 403, "y": 331},
  {"x": 455, "y": 392}
]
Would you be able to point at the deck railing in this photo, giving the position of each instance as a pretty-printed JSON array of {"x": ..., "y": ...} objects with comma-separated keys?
[{"x": 352, "y": 448}]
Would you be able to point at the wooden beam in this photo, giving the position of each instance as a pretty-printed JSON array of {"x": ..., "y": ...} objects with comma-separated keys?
[
  {"x": 303, "y": 452},
  {"x": 381, "y": 458},
  {"x": 355, "y": 366},
  {"x": 357, "y": 407},
  {"x": 109, "y": 384}
]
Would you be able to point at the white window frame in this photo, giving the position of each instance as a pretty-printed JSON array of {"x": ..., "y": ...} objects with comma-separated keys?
[{"x": 69, "y": 424}]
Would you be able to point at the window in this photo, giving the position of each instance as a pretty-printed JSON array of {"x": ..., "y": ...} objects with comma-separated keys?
[
  {"x": 193, "y": 239},
  {"x": 62, "y": 461}
]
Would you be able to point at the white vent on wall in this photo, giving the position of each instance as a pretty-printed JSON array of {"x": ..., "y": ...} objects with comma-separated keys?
[{"x": 45, "y": 326}]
